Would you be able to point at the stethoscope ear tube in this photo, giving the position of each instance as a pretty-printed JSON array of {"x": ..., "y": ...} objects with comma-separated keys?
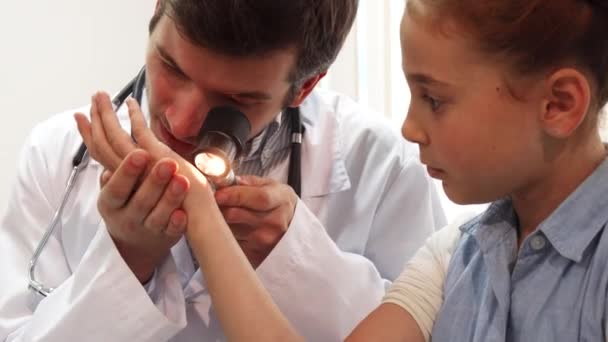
[
  {"x": 297, "y": 132},
  {"x": 33, "y": 283},
  {"x": 80, "y": 156},
  {"x": 79, "y": 161}
]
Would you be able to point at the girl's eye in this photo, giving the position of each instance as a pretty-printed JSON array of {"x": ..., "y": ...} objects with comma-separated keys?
[{"x": 434, "y": 103}]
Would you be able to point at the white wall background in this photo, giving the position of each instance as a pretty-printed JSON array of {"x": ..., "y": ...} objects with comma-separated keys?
[{"x": 55, "y": 55}]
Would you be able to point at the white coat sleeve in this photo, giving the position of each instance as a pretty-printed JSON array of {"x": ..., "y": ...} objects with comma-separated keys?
[
  {"x": 314, "y": 284},
  {"x": 325, "y": 291},
  {"x": 100, "y": 299},
  {"x": 419, "y": 288},
  {"x": 410, "y": 211}
]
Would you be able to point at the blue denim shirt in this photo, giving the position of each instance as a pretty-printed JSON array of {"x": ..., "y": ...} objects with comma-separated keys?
[{"x": 553, "y": 289}]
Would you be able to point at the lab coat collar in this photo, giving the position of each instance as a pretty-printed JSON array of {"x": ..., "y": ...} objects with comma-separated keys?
[{"x": 323, "y": 166}]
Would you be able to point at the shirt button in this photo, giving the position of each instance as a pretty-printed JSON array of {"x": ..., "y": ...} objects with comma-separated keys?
[{"x": 537, "y": 242}]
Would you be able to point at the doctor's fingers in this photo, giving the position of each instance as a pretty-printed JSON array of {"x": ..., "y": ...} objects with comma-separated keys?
[
  {"x": 109, "y": 161},
  {"x": 117, "y": 189},
  {"x": 144, "y": 135},
  {"x": 167, "y": 216},
  {"x": 147, "y": 140},
  {"x": 177, "y": 223},
  {"x": 275, "y": 219},
  {"x": 260, "y": 239},
  {"x": 119, "y": 140},
  {"x": 150, "y": 193},
  {"x": 254, "y": 180},
  {"x": 260, "y": 198},
  {"x": 105, "y": 177},
  {"x": 102, "y": 145}
]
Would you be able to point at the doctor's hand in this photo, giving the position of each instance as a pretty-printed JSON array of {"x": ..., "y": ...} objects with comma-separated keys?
[
  {"x": 139, "y": 210},
  {"x": 133, "y": 200},
  {"x": 108, "y": 143},
  {"x": 259, "y": 211},
  {"x": 106, "y": 140}
]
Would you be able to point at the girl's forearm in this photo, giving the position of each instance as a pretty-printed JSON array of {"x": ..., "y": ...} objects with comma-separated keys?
[{"x": 244, "y": 307}]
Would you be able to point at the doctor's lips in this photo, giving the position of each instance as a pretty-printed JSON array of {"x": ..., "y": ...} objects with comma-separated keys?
[{"x": 178, "y": 145}]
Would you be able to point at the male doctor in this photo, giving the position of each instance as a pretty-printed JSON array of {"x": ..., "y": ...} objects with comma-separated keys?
[{"x": 326, "y": 257}]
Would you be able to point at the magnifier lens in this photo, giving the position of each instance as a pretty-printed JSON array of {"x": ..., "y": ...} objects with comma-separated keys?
[
  {"x": 210, "y": 164},
  {"x": 222, "y": 137}
]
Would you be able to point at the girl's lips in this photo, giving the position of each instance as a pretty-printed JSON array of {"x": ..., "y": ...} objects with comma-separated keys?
[{"x": 435, "y": 173}]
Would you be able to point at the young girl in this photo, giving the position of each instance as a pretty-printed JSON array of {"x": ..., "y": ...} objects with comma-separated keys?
[{"x": 506, "y": 96}]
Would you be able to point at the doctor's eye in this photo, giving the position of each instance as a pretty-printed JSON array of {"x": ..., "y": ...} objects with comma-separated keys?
[
  {"x": 246, "y": 100},
  {"x": 434, "y": 103},
  {"x": 243, "y": 102},
  {"x": 174, "y": 70}
]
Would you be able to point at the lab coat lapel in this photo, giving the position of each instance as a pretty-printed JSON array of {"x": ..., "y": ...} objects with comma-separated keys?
[{"x": 323, "y": 168}]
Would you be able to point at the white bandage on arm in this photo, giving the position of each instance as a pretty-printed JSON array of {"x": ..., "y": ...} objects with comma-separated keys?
[{"x": 419, "y": 288}]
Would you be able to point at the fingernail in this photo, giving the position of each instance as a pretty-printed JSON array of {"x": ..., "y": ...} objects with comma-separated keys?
[
  {"x": 105, "y": 176},
  {"x": 131, "y": 102},
  {"x": 138, "y": 160},
  {"x": 220, "y": 197},
  {"x": 177, "y": 188},
  {"x": 165, "y": 171},
  {"x": 177, "y": 221}
]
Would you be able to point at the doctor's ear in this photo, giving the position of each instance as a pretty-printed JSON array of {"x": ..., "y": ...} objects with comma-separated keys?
[
  {"x": 566, "y": 102},
  {"x": 305, "y": 89}
]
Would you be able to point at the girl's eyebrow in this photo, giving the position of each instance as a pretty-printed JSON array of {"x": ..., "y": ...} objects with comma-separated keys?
[{"x": 424, "y": 79}]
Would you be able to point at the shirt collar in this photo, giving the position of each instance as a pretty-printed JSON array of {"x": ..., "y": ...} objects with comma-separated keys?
[
  {"x": 258, "y": 144},
  {"x": 323, "y": 164},
  {"x": 569, "y": 229},
  {"x": 490, "y": 227}
]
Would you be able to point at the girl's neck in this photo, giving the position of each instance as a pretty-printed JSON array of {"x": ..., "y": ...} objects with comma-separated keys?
[{"x": 563, "y": 175}]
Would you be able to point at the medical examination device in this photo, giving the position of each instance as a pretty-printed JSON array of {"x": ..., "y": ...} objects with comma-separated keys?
[{"x": 222, "y": 139}]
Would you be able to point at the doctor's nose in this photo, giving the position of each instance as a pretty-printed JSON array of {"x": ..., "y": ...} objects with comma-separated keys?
[
  {"x": 413, "y": 132},
  {"x": 186, "y": 114}
]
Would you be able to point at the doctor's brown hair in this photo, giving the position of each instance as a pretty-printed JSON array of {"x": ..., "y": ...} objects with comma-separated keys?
[
  {"x": 315, "y": 28},
  {"x": 532, "y": 36}
]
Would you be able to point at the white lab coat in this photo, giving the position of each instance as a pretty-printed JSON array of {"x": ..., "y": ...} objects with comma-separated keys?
[{"x": 366, "y": 206}]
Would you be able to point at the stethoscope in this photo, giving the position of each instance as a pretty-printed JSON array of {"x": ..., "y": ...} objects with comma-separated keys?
[{"x": 80, "y": 160}]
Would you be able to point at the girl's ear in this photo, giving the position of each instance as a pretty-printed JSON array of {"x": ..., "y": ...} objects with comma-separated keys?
[{"x": 566, "y": 103}]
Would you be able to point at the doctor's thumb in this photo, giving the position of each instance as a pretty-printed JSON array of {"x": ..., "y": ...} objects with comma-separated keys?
[{"x": 105, "y": 177}]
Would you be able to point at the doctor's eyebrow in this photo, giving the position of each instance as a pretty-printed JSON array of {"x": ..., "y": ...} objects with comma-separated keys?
[
  {"x": 166, "y": 57},
  {"x": 251, "y": 95}
]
